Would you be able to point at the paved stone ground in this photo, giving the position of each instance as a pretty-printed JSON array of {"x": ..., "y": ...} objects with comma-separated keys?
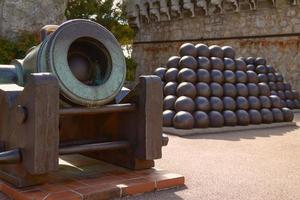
[{"x": 261, "y": 164}]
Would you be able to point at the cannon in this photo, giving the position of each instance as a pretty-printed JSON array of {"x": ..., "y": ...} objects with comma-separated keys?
[{"x": 67, "y": 97}]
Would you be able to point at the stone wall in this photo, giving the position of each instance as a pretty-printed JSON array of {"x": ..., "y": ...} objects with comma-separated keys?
[{"x": 17, "y": 16}]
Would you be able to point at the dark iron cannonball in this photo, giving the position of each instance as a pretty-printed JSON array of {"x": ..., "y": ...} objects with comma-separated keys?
[
  {"x": 217, "y": 63},
  {"x": 170, "y": 88},
  {"x": 252, "y": 76},
  {"x": 216, "y": 104},
  {"x": 216, "y": 51},
  {"x": 270, "y": 69},
  {"x": 241, "y": 76},
  {"x": 260, "y": 61},
  {"x": 264, "y": 89},
  {"x": 272, "y": 86},
  {"x": 203, "y": 75},
  {"x": 229, "y": 103},
  {"x": 230, "y": 118},
  {"x": 253, "y": 89},
  {"x": 242, "y": 103},
  {"x": 171, "y": 75},
  {"x": 288, "y": 115},
  {"x": 169, "y": 102},
  {"x": 183, "y": 120},
  {"x": 216, "y": 119},
  {"x": 240, "y": 65},
  {"x": 276, "y": 101},
  {"x": 188, "y": 62},
  {"x": 203, "y": 63},
  {"x": 229, "y": 64},
  {"x": 216, "y": 89},
  {"x": 187, "y": 75},
  {"x": 160, "y": 72},
  {"x": 255, "y": 116},
  {"x": 281, "y": 94},
  {"x": 250, "y": 61},
  {"x": 229, "y": 90},
  {"x": 168, "y": 116},
  {"x": 202, "y": 104},
  {"x": 242, "y": 89},
  {"x": 280, "y": 86},
  {"x": 184, "y": 103},
  {"x": 296, "y": 94},
  {"x": 289, "y": 94},
  {"x": 271, "y": 77},
  {"x": 262, "y": 78},
  {"x": 254, "y": 103},
  {"x": 290, "y": 104},
  {"x": 283, "y": 103},
  {"x": 173, "y": 62},
  {"x": 296, "y": 103},
  {"x": 216, "y": 76},
  {"x": 229, "y": 76},
  {"x": 251, "y": 67},
  {"x": 279, "y": 77},
  {"x": 202, "y": 50},
  {"x": 201, "y": 119},
  {"x": 273, "y": 92},
  {"x": 187, "y": 49},
  {"x": 287, "y": 86},
  {"x": 266, "y": 115},
  {"x": 242, "y": 117},
  {"x": 229, "y": 52},
  {"x": 242, "y": 58},
  {"x": 277, "y": 115},
  {"x": 265, "y": 102},
  {"x": 261, "y": 69},
  {"x": 186, "y": 89},
  {"x": 203, "y": 89}
]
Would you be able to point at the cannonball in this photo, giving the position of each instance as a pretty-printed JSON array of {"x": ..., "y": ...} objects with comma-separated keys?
[
  {"x": 169, "y": 102},
  {"x": 170, "y": 88},
  {"x": 288, "y": 115},
  {"x": 216, "y": 76},
  {"x": 216, "y": 104},
  {"x": 229, "y": 76},
  {"x": 229, "y": 90},
  {"x": 242, "y": 117},
  {"x": 273, "y": 92},
  {"x": 229, "y": 103},
  {"x": 250, "y": 61},
  {"x": 253, "y": 89},
  {"x": 287, "y": 86},
  {"x": 255, "y": 116},
  {"x": 183, "y": 120},
  {"x": 296, "y": 103},
  {"x": 254, "y": 102},
  {"x": 184, "y": 103},
  {"x": 283, "y": 103},
  {"x": 241, "y": 76},
  {"x": 261, "y": 69},
  {"x": 251, "y": 67},
  {"x": 264, "y": 89},
  {"x": 173, "y": 62},
  {"x": 276, "y": 101},
  {"x": 187, "y": 75},
  {"x": 203, "y": 63},
  {"x": 271, "y": 77},
  {"x": 202, "y": 50},
  {"x": 216, "y": 51},
  {"x": 272, "y": 86},
  {"x": 160, "y": 72},
  {"x": 203, "y": 75},
  {"x": 242, "y": 103},
  {"x": 188, "y": 62},
  {"x": 296, "y": 94},
  {"x": 262, "y": 78},
  {"x": 230, "y": 118},
  {"x": 242, "y": 58},
  {"x": 290, "y": 104},
  {"x": 252, "y": 76},
  {"x": 266, "y": 115},
  {"x": 186, "y": 89},
  {"x": 242, "y": 89},
  {"x": 280, "y": 86},
  {"x": 203, "y": 89},
  {"x": 187, "y": 49},
  {"x": 216, "y": 119},
  {"x": 201, "y": 119},
  {"x": 281, "y": 94},
  {"x": 229, "y": 64},
  {"x": 260, "y": 61},
  {"x": 277, "y": 115},
  {"x": 228, "y": 52},
  {"x": 265, "y": 102},
  {"x": 202, "y": 104},
  {"x": 270, "y": 69},
  {"x": 289, "y": 94},
  {"x": 240, "y": 65},
  {"x": 216, "y": 89},
  {"x": 217, "y": 63},
  {"x": 279, "y": 77},
  {"x": 168, "y": 116},
  {"x": 171, "y": 74}
]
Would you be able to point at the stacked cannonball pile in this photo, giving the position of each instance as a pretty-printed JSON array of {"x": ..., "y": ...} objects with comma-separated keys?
[{"x": 209, "y": 87}]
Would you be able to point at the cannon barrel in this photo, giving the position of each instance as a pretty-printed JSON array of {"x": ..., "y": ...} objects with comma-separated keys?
[{"x": 84, "y": 56}]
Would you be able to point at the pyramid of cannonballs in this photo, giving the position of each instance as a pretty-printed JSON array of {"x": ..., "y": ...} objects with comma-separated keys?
[{"x": 209, "y": 87}]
